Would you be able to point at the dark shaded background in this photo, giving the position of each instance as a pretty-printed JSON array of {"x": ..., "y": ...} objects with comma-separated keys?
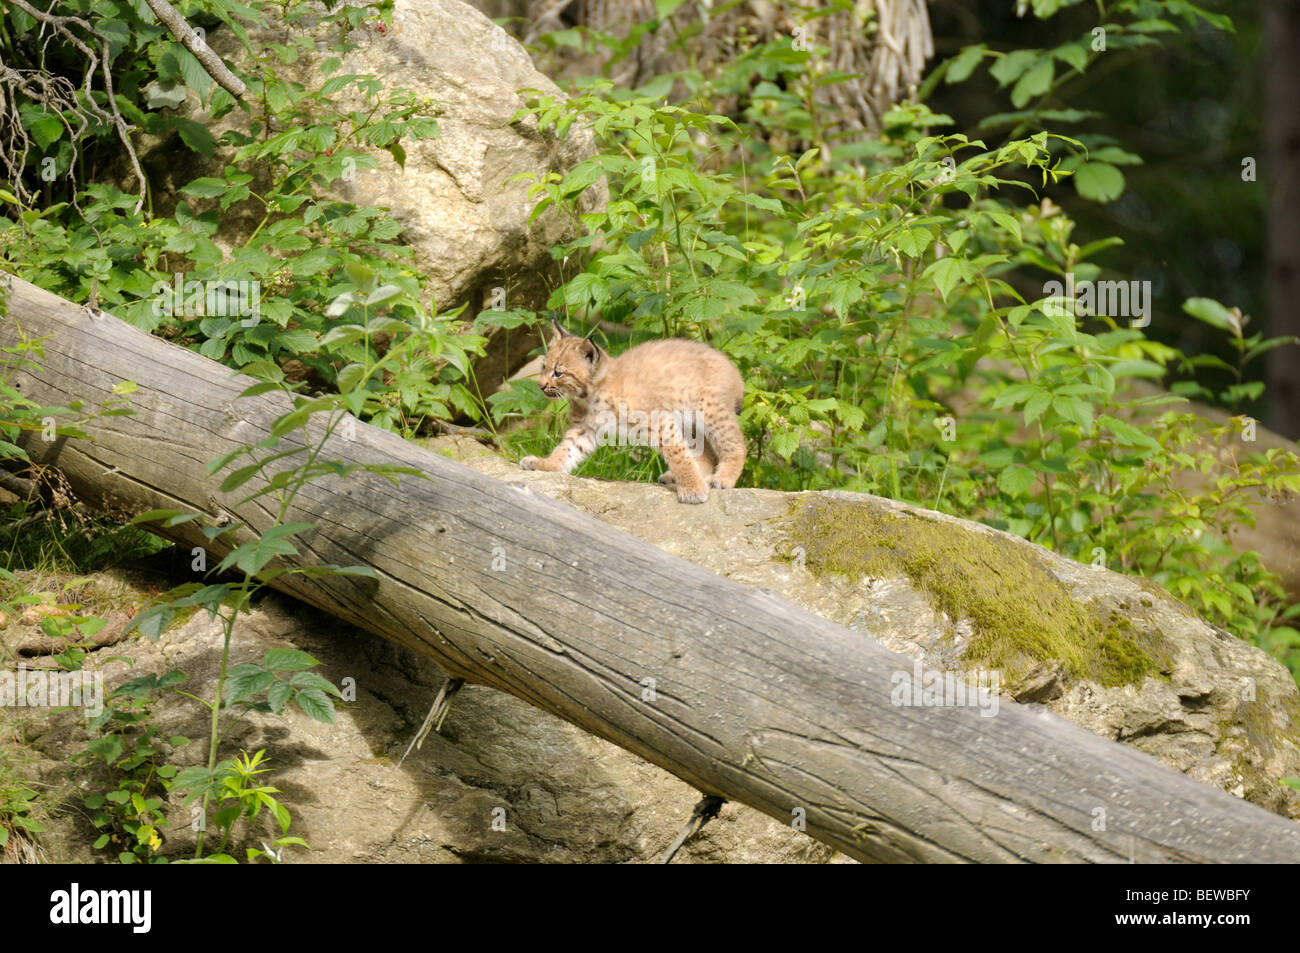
[{"x": 1192, "y": 108}]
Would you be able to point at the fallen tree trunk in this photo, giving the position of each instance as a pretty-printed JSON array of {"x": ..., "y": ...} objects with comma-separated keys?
[{"x": 753, "y": 699}]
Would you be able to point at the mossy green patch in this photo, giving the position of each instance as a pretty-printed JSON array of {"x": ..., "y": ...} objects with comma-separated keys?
[
  {"x": 1258, "y": 723},
  {"x": 1020, "y": 613},
  {"x": 1258, "y": 719}
]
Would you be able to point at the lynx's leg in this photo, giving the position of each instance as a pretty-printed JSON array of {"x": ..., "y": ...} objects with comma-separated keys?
[
  {"x": 691, "y": 487},
  {"x": 577, "y": 445},
  {"x": 729, "y": 444},
  {"x": 706, "y": 461}
]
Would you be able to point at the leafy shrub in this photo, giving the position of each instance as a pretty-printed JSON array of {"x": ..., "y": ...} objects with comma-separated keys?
[{"x": 889, "y": 305}]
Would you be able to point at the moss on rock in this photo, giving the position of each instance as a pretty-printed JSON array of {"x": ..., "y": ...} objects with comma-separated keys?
[{"x": 1020, "y": 613}]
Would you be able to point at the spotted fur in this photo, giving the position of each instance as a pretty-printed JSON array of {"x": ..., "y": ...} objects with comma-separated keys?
[{"x": 680, "y": 396}]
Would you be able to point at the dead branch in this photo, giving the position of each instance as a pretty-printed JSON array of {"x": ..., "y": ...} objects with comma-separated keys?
[{"x": 186, "y": 35}]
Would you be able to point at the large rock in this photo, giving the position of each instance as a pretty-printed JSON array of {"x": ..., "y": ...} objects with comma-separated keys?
[
  {"x": 1111, "y": 653},
  {"x": 563, "y": 795},
  {"x": 460, "y": 208}
]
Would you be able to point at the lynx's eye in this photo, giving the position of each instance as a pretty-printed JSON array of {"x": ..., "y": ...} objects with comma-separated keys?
[{"x": 556, "y": 372}]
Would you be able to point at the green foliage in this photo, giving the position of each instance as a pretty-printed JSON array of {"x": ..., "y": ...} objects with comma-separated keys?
[
  {"x": 277, "y": 468},
  {"x": 16, "y": 813},
  {"x": 1194, "y": 177},
  {"x": 21, "y": 812},
  {"x": 52, "y": 536},
  {"x": 890, "y": 304},
  {"x": 238, "y": 795},
  {"x": 123, "y": 739},
  {"x": 278, "y": 294},
  {"x": 314, "y": 281},
  {"x": 34, "y": 535}
]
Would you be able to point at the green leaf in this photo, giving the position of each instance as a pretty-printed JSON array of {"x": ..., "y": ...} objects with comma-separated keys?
[
  {"x": 1075, "y": 410},
  {"x": 279, "y": 810},
  {"x": 1073, "y": 54},
  {"x": 296, "y": 341},
  {"x": 195, "y": 76},
  {"x": 278, "y": 694},
  {"x": 1009, "y": 67},
  {"x": 45, "y": 129},
  {"x": 581, "y": 177},
  {"x": 348, "y": 378},
  {"x": 1265, "y": 346},
  {"x": 1016, "y": 480},
  {"x": 383, "y": 293},
  {"x": 288, "y": 660},
  {"x": 261, "y": 387},
  {"x": 945, "y": 273},
  {"x": 109, "y": 748},
  {"x": 252, "y": 558},
  {"x": 206, "y": 188},
  {"x": 1127, "y": 434},
  {"x": 1209, "y": 311},
  {"x": 1136, "y": 367},
  {"x": 760, "y": 201},
  {"x": 1115, "y": 156},
  {"x": 913, "y": 242},
  {"x": 1099, "y": 181},
  {"x": 196, "y": 136},
  {"x": 361, "y": 275},
  {"x": 163, "y": 95},
  {"x": 312, "y": 680},
  {"x": 240, "y": 476},
  {"x": 784, "y": 444},
  {"x": 964, "y": 63},
  {"x": 1034, "y": 83},
  {"x": 192, "y": 780},
  {"x": 246, "y": 680},
  {"x": 316, "y": 704}
]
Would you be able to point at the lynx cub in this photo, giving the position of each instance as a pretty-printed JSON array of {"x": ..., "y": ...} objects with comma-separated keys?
[{"x": 679, "y": 396}]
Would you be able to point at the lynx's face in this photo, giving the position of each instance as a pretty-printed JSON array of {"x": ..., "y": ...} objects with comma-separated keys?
[{"x": 570, "y": 366}]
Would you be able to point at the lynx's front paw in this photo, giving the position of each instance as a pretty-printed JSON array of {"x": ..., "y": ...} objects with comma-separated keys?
[
  {"x": 697, "y": 495},
  {"x": 528, "y": 463}
]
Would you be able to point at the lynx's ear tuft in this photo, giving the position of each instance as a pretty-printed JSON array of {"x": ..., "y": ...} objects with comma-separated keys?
[{"x": 559, "y": 332}]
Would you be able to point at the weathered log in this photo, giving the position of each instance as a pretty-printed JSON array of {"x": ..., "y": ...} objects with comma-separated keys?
[{"x": 754, "y": 699}]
